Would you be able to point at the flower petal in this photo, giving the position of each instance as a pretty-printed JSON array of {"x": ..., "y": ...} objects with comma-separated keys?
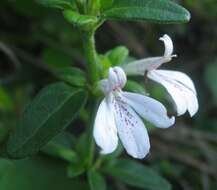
[
  {"x": 112, "y": 78},
  {"x": 140, "y": 66},
  {"x": 150, "y": 109},
  {"x": 131, "y": 130},
  {"x": 181, "y": 77},
  {"x": 180, "y": 87},
  {"x": 121, "y": 76},
  {"x": 105, "y": 132},
  {"x": 168, "y": 45}
]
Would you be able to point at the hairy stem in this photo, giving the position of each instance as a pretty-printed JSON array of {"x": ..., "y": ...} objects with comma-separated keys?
[
  {"x": 91, "y": 56},
  {"x": 92, "y": 64}
]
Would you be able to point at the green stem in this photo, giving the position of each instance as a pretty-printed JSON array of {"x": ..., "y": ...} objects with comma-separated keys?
[
  {"x": 90, "y": 156},
  {"x": 91, "y": 56},
  {"x": 92, "y": 61}
]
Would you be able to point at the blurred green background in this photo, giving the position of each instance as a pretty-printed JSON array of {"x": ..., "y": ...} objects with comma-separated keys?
[{"x": 34, "y": 39}]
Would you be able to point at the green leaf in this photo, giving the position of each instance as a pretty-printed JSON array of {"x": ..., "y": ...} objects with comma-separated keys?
[
  {"x": 6, "y": 103},
  {"x": 60, "y": 4},
  {"x": 61, "y": 147},
  {"x": 135, "y": 174},
  {"x": 48, "y": 114},
  {"x": 39, "y": 173},
  {"x": 162, "y": 11},
  {"x": 96, "y": 180},
  {"x": 5, "y": 168},
  {"x": 82, "y": 148},
  {"x": 110, "y": 157},
  {"x": 105, "y": 4},
  {"x": 71, "y": 75},
  {"x": 105, "y": 65},
  {"x": 75, "y": 169},
  {"x": 135, "y": 87},
  {"x": 118, "y": 55}
]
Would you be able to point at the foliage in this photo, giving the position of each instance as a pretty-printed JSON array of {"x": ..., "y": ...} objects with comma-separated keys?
[{"x": 48, "y": 93}]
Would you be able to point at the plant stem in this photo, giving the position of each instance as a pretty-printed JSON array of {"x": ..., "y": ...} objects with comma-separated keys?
[
  {"x": 90, "y": 140},
  {"x": 92, "y": 62},
  {"x": 91, "y": 56}
]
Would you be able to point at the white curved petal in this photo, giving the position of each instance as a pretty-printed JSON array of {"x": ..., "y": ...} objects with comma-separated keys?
[
  {"x": 139, "y": 67},
  {"x": 105, "y": 132},
  {"x": 180, "y": 87},
  {"x": 121, "y": 76},
  {"x": 168, "y": 45},
  {"x": 131, "y": 130},
  {"x": 112, "y": 78},
  {"x": 181, "y": 77},
  {"x": 150, "y": 109},
  {"x": 188, "y": 88}
]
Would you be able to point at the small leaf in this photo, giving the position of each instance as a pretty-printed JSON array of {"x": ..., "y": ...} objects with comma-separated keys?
[
  {"x": 110, "y": 157},
  {"x": 71, "y": 75},
  {"x": 162, "y": 11},
  {"x": 82, "y": 148},
  {"x": 47, "y": 115},
  {"x": 135, "y": 174},
  {"x": 118, "y": 55},
  {"x": 96, "y": 180},
  {"x": 61, "y": 146},
  {"x": 60, "y": 4},
  {"x": 6, "y": 103},
  {"x": 75, "y": 169},
  {"x": 134, "y": 87}
]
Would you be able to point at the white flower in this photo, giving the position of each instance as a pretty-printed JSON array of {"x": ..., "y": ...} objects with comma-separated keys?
[
  {"x": 178, "y": 84},
  {"x": 117, "y": 116}
]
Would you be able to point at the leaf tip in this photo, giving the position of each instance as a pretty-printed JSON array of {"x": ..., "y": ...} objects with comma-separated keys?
[{"x": 188, "y": 16}]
